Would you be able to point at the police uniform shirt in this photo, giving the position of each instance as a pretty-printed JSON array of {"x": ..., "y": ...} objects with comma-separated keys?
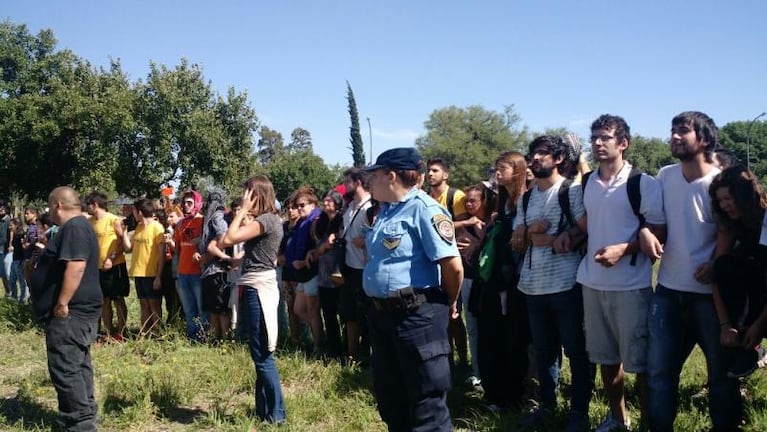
[{"x": 406, "y": 241}]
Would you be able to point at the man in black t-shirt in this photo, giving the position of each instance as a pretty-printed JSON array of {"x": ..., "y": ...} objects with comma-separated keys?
[{"x": 66, "y": 297}]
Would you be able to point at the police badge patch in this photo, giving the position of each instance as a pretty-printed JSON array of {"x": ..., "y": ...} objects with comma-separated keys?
[{"x": 444, "y": 226}]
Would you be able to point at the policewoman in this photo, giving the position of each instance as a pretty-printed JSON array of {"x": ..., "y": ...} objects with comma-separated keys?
[{"x": 412, "y": 277}]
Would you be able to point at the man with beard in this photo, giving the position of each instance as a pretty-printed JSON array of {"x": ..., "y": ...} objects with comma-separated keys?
[
  {"x": 66, "y": 297},
  {"x": 682, "y": 308},
  {"x": 544, "y": 230}
]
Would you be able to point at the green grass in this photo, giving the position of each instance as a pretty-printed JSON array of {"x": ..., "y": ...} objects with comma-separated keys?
[{"x": 168, "y": 384}]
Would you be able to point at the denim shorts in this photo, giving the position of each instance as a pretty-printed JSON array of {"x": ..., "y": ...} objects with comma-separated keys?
[{"x": 310, "y": 288}]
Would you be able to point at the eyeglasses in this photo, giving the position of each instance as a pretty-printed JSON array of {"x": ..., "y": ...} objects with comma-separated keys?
[{"x": 600, "y": 138}]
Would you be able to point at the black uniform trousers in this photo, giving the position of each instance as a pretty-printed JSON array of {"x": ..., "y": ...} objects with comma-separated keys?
[
  {"x": 68, "y": 343},
  {"x": 411, "y": 371}
]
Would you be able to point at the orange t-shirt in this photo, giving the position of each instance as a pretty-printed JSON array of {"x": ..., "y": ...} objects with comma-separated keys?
[{"x": 186, "y": 231}]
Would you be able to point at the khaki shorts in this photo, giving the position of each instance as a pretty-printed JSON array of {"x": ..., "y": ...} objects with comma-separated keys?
[{"x": 616, "y": 327}]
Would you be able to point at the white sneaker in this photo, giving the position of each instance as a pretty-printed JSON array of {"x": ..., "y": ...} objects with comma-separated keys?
[{"x": 610, "y": 423}]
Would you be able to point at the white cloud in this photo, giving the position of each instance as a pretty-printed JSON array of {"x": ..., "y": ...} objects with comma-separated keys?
[{"x": 396, "y": 134}]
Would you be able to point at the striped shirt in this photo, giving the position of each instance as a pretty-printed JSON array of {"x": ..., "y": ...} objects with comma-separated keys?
[{"x": 544, "y": 272}]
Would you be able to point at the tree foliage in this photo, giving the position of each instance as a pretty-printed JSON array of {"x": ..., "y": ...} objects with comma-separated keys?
[
  {"x": 300, "y": 139},
  {"x": 744, "y": 143},
  {"x": 649, "y": 154},
  {"x": 470, "y": 139},
  {"x": 58, "y": 114},
  {"x": 355, "y": 137},
  {"x": 289, "y": 171},
  {"x": 270, "y": 145},
  {"x": 65, "y": 122}
]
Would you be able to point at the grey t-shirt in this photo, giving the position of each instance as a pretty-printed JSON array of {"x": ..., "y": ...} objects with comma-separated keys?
[{"x": 261, "y": 251}]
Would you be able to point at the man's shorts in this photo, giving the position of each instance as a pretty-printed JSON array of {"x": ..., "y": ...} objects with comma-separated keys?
[
  {"x": 616, "y": 327},
  {"x": 145, "y": 288},
  {"x": 351, "y": 296},
  {"x": 215, "y": 293},
  {"x": 310, "y": 288},
  {"x": 115, "y": 282}
]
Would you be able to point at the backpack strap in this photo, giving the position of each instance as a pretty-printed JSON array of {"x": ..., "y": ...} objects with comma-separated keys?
[
  {"x": 526, "y": 204},
  {"x": 563, "y": 196},
  {"x": 450, "y": 198},
  {"x": 635, "y": 198},
  {"x": 584, "y": 180}
]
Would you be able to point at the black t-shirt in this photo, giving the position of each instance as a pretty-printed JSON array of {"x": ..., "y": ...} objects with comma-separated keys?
[{"x": 75, "y": 241}]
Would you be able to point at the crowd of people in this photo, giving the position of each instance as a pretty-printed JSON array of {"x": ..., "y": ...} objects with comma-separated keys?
[{"x": 493, "y": 283}]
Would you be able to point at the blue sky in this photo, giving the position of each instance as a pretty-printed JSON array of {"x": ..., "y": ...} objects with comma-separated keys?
[{"x": 561, "y": 63}]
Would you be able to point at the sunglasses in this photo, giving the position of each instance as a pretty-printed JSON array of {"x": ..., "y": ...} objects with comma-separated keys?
[
  {"x": 188, "y": 202},
  {"x": 301, "y": 205}
]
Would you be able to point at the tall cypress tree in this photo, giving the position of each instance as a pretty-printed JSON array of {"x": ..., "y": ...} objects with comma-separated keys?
[{"x": 358, "y": 152}]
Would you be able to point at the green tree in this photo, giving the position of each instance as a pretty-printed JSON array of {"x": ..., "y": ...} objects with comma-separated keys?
[
  {"x": 355, "y": 138},
  {"x": 184, "y": 132},
  {"x": 649, "y": 154},
  {"x": 300, "y": 139},
  {"x": 60, "y": 115},
  {"x": 289, "y": 171},
  {"x": 470, "y": 139},
  {"x": 742, "y": 143},
  {"x": 270, "y": 145}
]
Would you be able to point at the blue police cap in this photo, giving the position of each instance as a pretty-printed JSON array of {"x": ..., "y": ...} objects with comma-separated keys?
[{"x": 398, "y": 159}]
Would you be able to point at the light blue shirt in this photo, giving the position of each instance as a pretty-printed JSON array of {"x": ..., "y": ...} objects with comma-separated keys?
[{"x": 405, "y": 243}]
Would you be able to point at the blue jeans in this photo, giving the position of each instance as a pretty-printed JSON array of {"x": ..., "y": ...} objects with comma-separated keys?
[
  {"x": 556, "y": 321},
  {"x": 6, "y": 263},
  {"x": 471, "y": 327},
  {"x": 269, "y": 403},
  {"x": 190, "y": 293},
  {"x": 17, "y": 285},
  {"x": 678, "y": 320}
]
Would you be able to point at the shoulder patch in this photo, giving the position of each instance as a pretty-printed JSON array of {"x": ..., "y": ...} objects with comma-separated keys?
[{"x": 443, "y": 224}]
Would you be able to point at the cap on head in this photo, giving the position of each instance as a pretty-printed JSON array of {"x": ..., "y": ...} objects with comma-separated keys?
[{"x": 398, "y": 159}]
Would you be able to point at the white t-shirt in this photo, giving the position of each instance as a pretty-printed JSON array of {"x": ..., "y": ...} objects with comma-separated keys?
[
  {"x": 691, "y": 229},
  {"x": 355, "y": 257},
  {"x": 544, "y": 272},
  {"x": 611, "y": 220}
]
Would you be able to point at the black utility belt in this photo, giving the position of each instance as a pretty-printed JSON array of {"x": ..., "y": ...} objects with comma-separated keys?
[{"x": 409, "y": 299}]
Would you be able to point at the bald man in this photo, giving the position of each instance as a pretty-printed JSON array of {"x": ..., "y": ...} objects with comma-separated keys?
[{"x": 66, "y": 297}]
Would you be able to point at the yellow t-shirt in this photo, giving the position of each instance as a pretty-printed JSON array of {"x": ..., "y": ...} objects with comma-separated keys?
[
  {"x": 146, "y": 251},
  {"x": 107, "y": 237},
  {"x": 459, "y": 202}
]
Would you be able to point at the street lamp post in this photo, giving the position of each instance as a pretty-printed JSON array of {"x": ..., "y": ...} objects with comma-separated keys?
[
  {"x": 370, "y": 138},
  {"x": 748, "y": 139}
]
